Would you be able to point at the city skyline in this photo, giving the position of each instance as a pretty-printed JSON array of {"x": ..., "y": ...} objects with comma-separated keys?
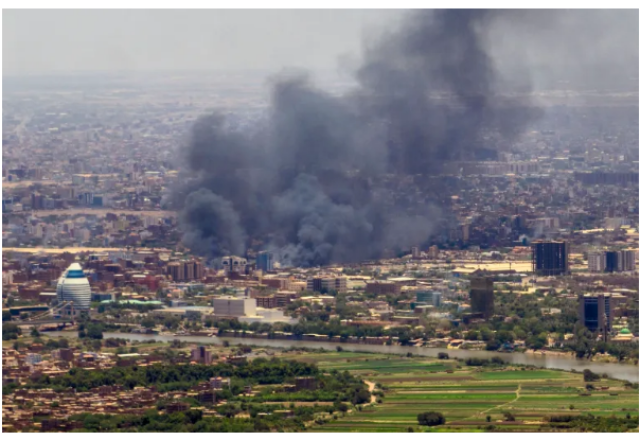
[{"x": 400, "y": 221}]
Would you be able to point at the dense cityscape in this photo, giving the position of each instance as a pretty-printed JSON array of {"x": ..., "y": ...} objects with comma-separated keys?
[{"x": 130, "y": 305}]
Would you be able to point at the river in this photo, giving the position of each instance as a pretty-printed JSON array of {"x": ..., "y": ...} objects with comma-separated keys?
[{"x": 617, "y": 371}]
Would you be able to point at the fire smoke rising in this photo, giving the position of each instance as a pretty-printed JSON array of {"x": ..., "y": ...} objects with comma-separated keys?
[{"x": 303, "y": 184}]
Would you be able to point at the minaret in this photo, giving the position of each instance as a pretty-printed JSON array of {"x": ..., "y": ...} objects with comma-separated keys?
[{"x": 605, "y": 327}]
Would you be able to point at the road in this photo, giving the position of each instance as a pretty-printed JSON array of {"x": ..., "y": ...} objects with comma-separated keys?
[
  {"x": 508, "y": 403},
  {"x": 371, "y": 386}
]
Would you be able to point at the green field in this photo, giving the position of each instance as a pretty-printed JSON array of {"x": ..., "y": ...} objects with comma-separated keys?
[{"x": 465, "y": 395}]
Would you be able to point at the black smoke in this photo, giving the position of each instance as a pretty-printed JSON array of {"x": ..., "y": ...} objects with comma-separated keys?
[{"x": 306, "y": 183}]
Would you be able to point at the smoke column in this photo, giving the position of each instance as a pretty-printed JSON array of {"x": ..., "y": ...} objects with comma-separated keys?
[{"x": 305, "y": 184}]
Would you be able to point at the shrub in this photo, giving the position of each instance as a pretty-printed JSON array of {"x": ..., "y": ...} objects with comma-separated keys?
[
  {"x": 431, "y": 418},
  {"x": 509, "y": 417},
  {"x": 443, "y": 356},
  {"x": 560, "y": 419}
]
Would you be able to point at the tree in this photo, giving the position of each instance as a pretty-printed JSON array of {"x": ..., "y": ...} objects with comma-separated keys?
[
  {"x": 96, "y": 344},
  {"x": 339, "y": 349},
  {"x": 10, "y": 331},
  {"x": 94, "y": 331},
  {"x": 148, "y": 322},
  {"x": 431, "y": 418},
  {"x": 34, "y": 332},
  {"x": 361, "y": 396},
  {"x": 590, "y": 376},
  {"x": 443, "y": 356},
  {"x": 6, "y": 315},
  {"x": 471, "y": 335},
  {"x": 488, "y": 419},
  {"x": 503, "y": 336}
]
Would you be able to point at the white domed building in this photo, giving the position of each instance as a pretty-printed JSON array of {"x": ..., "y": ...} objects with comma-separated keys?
[{"x": 73, "y": 285}]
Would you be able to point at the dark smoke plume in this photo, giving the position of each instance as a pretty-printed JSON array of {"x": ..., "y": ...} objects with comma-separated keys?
[{"x": 305, "y": 184}]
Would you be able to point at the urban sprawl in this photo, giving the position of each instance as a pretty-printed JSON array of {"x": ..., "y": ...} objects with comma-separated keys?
[{"x": 111, "y": 323}]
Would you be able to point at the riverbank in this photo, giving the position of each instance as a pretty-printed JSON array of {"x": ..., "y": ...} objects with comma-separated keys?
[
  {"x": 618, "y": 371},
  {"x": 335, "y": 341}
]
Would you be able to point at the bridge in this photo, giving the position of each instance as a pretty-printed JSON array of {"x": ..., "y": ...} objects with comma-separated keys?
[{"x": 51, "y": 316}]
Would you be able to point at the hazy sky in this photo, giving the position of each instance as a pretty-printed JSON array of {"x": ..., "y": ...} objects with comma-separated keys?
[
  {"x": 38, "y": 41},
  {"x": 599, "y": 46}
]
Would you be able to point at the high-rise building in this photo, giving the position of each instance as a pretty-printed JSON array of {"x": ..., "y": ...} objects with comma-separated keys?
[
  {"x": 627, "y": 260},
  {"x": 613, "y": 261},
  {"x": 264, "y": 261},
  {"x": 198, "y": 269},
  {"x": 201, "y": 355},
  {"x": 176, "y": 270},
  {"x": 596, "y": 262},
  {"x": 610, "y": 261},
  {"x": 189, "y": 270},
  {"x": 234, "y": 264},
  {"x": 466, "y": 230},
  {"x": 481, "y": 296},
  {"x": 415, "y": 252},
  {"x": 74, "y": 286},
  {"x": 596, "y": 312},
  {"x": 550, "y": 258},
  {"x": 433, "y": 252}
]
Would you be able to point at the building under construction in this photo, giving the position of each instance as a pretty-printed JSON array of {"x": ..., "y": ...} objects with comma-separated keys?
[{"x": 550, "y": 258}]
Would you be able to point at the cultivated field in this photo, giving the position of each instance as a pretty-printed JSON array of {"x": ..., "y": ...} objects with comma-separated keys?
[{"x": 467, "y": 395}]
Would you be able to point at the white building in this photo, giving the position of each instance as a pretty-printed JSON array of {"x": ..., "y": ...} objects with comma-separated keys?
[
  {"x": 268, "y": 316},
  {"x": 73, "y": 285},
  {"x": 596, "y": 262},
  {"x": 232, "y": 306},
  {"x": 627, "y": 260}
]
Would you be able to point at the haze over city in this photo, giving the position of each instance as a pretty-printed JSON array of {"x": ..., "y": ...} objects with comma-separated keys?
[{"x": 318, "y": 220}]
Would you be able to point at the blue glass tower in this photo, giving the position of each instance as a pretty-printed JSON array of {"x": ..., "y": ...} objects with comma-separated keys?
[{"x": 264, "y": 261}]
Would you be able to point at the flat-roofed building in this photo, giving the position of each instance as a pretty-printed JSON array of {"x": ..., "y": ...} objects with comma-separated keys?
[
  {"x": 232, "y": 306},
  {"x": 323, "y": 285}
]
